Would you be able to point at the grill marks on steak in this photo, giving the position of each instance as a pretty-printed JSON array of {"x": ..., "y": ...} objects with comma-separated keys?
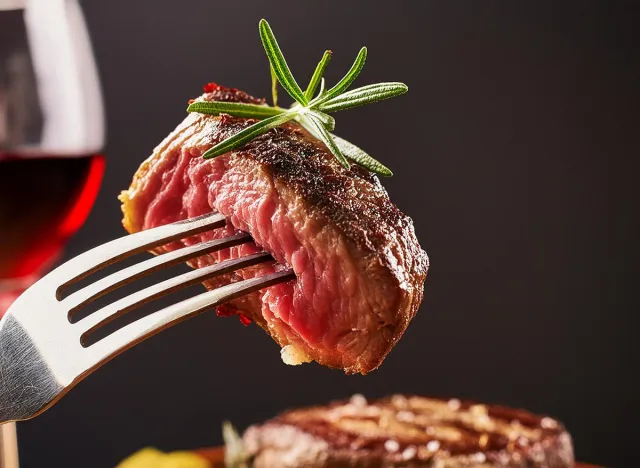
[
  {"x": 359, "y": 268},
  {"x": 409, "y": 432}
]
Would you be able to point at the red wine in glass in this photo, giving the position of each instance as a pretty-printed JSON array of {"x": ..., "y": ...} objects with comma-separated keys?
[
  {"x": 51, "y": 135},
  {"x": 43, "y": 201}
]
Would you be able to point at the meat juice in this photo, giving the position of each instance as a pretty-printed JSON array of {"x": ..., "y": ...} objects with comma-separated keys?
[{"x": 43, "y": 201}]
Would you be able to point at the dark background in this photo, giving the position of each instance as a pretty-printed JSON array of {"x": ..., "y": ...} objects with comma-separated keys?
[{"x": 515, "y": 152}]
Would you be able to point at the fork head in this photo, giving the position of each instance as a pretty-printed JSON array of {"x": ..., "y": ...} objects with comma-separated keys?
[{"x": 42, "y": 350}]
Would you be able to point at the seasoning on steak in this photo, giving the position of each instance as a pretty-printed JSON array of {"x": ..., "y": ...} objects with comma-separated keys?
[
  {"x": 359, "y": 268},
  {"x": 409, "y": 431}
]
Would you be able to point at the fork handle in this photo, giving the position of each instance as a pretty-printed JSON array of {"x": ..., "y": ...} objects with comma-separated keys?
[{"x": 8, "y": 446}]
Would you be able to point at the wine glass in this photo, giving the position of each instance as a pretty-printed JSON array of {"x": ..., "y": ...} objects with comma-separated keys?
[{"x": 51, "y": 133}]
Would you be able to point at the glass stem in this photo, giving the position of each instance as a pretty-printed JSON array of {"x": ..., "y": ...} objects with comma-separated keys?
[{"x": 8, "y": 446}]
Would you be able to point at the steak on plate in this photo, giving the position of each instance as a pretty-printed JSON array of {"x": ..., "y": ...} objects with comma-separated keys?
[
  {"x": 410, "y": 432},
  {"x": 358, "y": 265}
]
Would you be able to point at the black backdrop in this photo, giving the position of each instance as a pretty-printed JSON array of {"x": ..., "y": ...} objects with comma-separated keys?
[{"x": 515, "y": 153}]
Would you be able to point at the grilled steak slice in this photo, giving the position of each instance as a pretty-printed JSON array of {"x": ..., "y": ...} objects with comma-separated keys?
[
  {"x": 409, "y": 431},
  {"x": 359, "y": 268}
]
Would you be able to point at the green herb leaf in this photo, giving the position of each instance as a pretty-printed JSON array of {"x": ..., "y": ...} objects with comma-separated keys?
[
  {"x": 235, "y": 455},
  {"x": 252, "y": 111},
  {"x": 328, "y": 121},
  {"x": 322, "y": 88},
  {"x": 365, "y": 95},
  {"x": 315, "y": 126},
  {"x": 361, "y": 158},
  {"x": 317, "y": 75},
  {"x": 279, "y": 64},
  {"x": 248, "y": 134},
  {"x": 274, "y": 86},
  {"x": 349, "y": 78}
]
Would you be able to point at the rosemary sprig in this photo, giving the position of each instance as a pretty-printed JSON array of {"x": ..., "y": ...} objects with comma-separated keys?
[{"x": 311, "y": 112}]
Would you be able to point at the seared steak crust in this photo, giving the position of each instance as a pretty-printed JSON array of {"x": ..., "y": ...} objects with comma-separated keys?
[
  {"x": 360, "y": 270},
  {"x": 409, "y": 431}
]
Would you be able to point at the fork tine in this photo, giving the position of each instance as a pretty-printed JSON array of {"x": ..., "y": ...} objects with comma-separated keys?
[
  {"x": 146, "y": 295},
  {"x": 132, "y": 334},
  {"x": 106, "y": 254},
  {"x": 127, "y": 275}
]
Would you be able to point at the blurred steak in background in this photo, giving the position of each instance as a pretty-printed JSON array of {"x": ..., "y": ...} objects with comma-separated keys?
[{"x": 409, "y": 431}]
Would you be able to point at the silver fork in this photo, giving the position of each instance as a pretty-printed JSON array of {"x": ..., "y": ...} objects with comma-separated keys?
[{"x": 43, "y": 354}]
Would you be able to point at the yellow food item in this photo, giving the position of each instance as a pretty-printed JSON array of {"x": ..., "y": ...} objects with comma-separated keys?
[{"x": 152, "y": 458}]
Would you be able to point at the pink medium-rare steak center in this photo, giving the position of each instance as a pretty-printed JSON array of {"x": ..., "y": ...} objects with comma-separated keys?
[{"x": 359, "y": 269}]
